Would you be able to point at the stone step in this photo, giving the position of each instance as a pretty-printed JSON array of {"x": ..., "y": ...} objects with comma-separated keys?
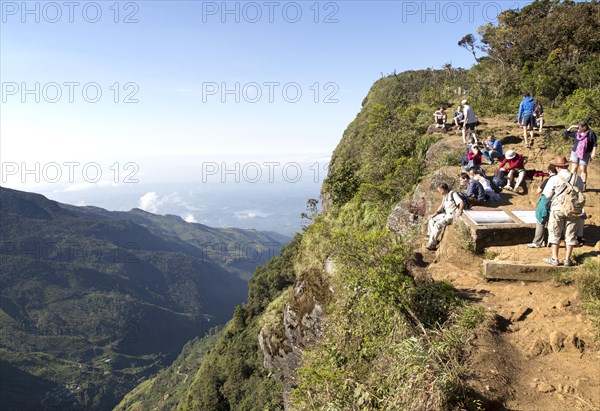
[{"x": 512, "y": 270}]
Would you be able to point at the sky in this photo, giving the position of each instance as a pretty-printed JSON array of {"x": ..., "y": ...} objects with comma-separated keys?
[{"x": 108, "y": 94}]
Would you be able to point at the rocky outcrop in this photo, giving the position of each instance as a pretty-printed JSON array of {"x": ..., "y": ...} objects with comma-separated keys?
[
  {"x": 300, "y": 324},
  {"x": 446, "y": 129},
  {"x": 444, "y": 175},
  {"x": 407, "y": 216},
  {"x": 441, "y": 150}
]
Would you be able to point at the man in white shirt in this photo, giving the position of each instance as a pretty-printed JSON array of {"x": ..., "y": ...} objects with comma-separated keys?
[
  {"x": 559, "y": 223},
  {"x": 469, "y": 124},
  {"x": 452, "y": 206}
]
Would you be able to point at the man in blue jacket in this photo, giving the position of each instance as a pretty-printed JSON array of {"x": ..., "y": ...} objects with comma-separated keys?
[{"x": 526, "y": 118}]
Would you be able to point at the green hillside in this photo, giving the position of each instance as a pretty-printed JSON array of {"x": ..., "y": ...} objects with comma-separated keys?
[
  {"x": 93, "y": 301},
  {"x": 350, "y": 323}
]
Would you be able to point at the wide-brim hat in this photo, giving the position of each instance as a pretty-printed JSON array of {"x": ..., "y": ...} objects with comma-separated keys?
[
  {"x": 510, "y": 154},
  {"x": 464, "y": 101},
  {"x": 560, "y": 161}
]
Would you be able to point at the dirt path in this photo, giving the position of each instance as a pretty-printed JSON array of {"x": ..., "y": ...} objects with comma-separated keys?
[{"x": 541, "y": 353}]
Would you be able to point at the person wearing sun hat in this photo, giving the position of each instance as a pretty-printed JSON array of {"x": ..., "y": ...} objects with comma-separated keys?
[
  {"x": 513, "y": 163},
  {"x": 558, "y": 223}
]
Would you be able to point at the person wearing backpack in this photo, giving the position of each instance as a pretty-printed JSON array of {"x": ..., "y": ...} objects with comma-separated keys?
[
  {"x": 564, "y": 190},
  {"x": 452, "y": 206},
  {"x": 542, "y": 213},
  {"x": 584, "y": 148}
]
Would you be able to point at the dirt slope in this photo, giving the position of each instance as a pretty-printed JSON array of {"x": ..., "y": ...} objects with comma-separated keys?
[{"x": 541, "y": 353}]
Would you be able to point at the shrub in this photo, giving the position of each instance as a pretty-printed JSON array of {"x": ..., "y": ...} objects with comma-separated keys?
[
  {"x": 588, "y": 283},
  {"x": 448, "y": 158},
  {"x": 587, "y": 280},
  {"x": 432, "y": 303},
  {"x": 584, "y": 104},
  {"x": 342, "y": 183},
  {"x": 388, "y": 343}
]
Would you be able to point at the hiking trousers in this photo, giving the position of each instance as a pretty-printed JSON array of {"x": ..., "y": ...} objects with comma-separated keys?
[{"x": 437, "y": 225}]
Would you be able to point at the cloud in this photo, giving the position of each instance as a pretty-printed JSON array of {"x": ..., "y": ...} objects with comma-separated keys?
[
  {"x": 86, "y": 186},
  {"x": 152, "y": 202},
  {"x": 249, "y": 214},
  {"x": 190, "y": 218},
  {"x": 191, "y": 207},
  {"x": 149, "y": 202}
]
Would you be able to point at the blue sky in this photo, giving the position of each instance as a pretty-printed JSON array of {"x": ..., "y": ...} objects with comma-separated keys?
[{"x": 174, "y": 62}]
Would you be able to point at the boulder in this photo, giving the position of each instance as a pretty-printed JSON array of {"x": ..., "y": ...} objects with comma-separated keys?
[
  {"x": 443, "y": 175},
  {"x": 433, "y": 129},
  {"x": 545, "y": 387},
  {"x": 573, "y": 343},
  {"x": 441, "y": 149},
  {"x": 406, "y": 217},
  {"x": 539, "y": 347},
  {"x": 556, "y": 340}
]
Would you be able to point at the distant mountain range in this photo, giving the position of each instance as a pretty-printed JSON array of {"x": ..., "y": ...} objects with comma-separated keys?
[
  {"x": 93, "y": 301},
  {"x": 262, "y": 206}
]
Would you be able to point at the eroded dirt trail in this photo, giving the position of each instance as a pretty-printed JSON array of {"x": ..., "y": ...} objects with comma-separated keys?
[{"x": 542, "y": 353}]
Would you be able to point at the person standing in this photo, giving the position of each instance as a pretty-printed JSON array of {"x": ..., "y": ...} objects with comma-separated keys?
[
  {"x": 584, "y": 149},
  {"x": 470, "y": 122},
  {"x": 525, "y": 117},
  {"x": 452, "y": 206},
  {"x": 538, "y": 113},
  {"x": 558, "y": 222},
  {"x": 542, "y": 213}
]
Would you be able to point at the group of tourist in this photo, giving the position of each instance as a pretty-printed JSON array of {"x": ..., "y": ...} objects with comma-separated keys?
[
  {"x": 464, "y": 119},
  {"x": 563, "y": 189}
]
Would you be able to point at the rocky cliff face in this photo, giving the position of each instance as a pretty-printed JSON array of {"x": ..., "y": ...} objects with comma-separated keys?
[
  {"x": 409, "y": 215},
  {"x": 301, "y": 322}
]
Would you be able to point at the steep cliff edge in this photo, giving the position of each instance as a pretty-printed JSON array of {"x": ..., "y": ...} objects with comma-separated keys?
[{"x": 362, "y": 322}]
